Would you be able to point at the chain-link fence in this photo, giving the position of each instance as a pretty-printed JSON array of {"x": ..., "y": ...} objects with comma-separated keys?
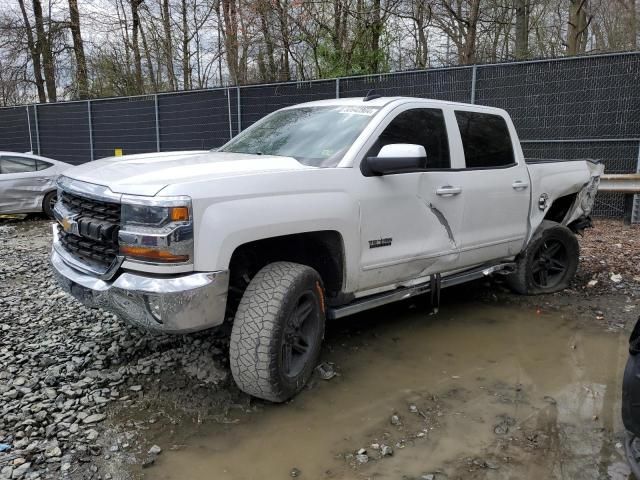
[{"x": 563, "y": 109}]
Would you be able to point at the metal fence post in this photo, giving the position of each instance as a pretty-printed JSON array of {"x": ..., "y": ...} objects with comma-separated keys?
[
  {"x": 35, "y": 119},
  {"x": 635, "y": 210},
  {"x": 474, "y": 70},
  {"x": 89, "y": 114},
  {"x": 337, "y": 87},
  {"x": 229, "y": 113},
  {"x": 239, "y": 110},
  {"x": 29, "y": 126},
  {"x": 157, "y": 122}
]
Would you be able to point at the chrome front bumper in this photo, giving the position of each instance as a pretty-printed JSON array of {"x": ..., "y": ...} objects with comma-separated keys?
[{"x": 176, "y": 304}]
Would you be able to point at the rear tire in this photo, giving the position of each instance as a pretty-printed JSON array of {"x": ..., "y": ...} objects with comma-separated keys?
[
  {"x": 549, "y": 262},
  {"x": 277, "y": 331},
  {"x": 48, "y": 203}
]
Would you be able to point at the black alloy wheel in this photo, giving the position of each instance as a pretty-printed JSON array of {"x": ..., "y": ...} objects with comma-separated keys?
[
  {"x": 550, "y": 262},
  {"x": 299, "y": 333}
]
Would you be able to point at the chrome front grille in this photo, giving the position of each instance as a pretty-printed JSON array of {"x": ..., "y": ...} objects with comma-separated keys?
[
  {"x": 93, "y": 237},
  {"x": 90, "y": 208},
  {"x": 103, "y": 252}
]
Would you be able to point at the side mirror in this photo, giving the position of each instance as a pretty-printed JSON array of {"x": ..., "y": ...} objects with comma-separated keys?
[{"x": 395, "y": 158}]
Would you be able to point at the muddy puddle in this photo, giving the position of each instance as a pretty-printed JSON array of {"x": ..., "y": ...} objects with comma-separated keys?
[{"x": 477, "y": 391}]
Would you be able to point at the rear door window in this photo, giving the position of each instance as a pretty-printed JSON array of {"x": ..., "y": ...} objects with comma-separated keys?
[
  {"x": 485, "y": 139},
  {"x": 17, "y": 165}
]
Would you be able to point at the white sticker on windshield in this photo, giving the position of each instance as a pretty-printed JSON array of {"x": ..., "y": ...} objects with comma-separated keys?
[{"x": 367, "y": 111}]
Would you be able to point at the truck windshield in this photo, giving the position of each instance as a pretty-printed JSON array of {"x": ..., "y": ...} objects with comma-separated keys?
[{"x": 315, "y": 136}]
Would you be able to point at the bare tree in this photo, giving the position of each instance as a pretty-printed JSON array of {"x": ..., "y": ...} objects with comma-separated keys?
[
  {"x": 43, "y": 46},
  {"x": 522, "y": 28},
  {"x": 34, "y": 51},
  {"x": 578, "y": 24},
  {"x": 135, "y": 44},
  {"x": 78, "y": 50}
]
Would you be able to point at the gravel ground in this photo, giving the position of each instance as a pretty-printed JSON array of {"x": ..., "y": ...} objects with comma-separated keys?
[
  {"x": 64, "y": 366},
  {"x": 66, "y": 372}
]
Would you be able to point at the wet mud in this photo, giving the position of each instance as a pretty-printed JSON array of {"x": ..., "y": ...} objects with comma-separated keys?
[{"x": 480, "y": 390}]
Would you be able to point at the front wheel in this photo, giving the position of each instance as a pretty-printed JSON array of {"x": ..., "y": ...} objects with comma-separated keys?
[
  {"x": 277, "y": 331},
  {"x": 48, "y": 203},
  {"x": 549, "y": 262}
]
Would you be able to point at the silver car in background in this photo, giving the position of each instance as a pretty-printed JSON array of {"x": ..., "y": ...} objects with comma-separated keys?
[{"x": 28, "y": 183}]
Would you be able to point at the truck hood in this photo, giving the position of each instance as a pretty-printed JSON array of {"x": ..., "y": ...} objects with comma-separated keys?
[{"x": 147, "y": 174}]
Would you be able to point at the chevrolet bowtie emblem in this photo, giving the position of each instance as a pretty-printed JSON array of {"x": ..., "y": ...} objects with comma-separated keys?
[{"x": 69, "y": 224}]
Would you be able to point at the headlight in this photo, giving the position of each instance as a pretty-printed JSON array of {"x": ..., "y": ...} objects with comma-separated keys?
[{"x": 158, "y": 230}]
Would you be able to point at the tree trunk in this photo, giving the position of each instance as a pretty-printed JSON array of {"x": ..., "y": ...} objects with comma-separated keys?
[
  {"x": 135, "y": 44},
  {"x": 186, "y": 54},
  {"x": 230, "y": 16},
  {"x": 78, "y": 50},
  {"x": 469, "y": 51},
  {"x": 168, "y": 44},
  {"x": 44, "y": 47},
  {"x": 147, "y": 56},
  {"x": 35, "y": 55},
  {"x": 632, "y": 16},
  {"x": 577, "y": 27},
  {"x": 283, "y": 14},
  {"x": 269, "y": 67},
  {"x": 376, "y": 33},
  {"x": 522, "y": 29}
]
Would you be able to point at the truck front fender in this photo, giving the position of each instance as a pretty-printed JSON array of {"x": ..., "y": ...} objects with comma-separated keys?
[{"x": 224, "y": 226}]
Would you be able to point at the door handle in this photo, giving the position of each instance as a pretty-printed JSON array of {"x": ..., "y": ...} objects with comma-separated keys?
[
  {"x": 520, "y": 185},
  {"x": 448, "y": 191}
]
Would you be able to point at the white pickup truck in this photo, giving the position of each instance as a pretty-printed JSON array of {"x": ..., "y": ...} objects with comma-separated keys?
[{"x": 317, "y": 211}]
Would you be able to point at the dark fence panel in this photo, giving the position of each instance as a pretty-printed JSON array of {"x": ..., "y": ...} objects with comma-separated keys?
[
  {"x": 64, "y": 132},
  {"x": 566, "y": 108},
  {"x": 452, "y": 84},
  {"x": 618, "y": 157},
  {"x": 260, "y": 100},
  {"x": 14, "y": 130},
  {"x": 193, "y": 120},
  {"x": 566, "y": 99},
  {"x": 126, "y": 123}
]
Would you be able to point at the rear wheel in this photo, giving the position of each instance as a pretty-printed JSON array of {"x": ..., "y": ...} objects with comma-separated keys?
[
  {"x": 49, "y": 202},
  {"x": 277, "y": 331},
  {"x": 549, "y": 262}
]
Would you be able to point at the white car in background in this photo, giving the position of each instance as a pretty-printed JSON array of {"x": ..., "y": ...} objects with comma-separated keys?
[{"x": 28, "y": 183}]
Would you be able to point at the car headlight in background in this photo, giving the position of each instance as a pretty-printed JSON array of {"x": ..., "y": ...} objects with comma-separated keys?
[{"x": 158, "y": 230}]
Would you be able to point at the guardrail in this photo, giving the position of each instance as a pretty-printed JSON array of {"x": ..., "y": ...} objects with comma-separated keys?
[
  {"x": 629, "y": 185},
  {"x": 621, "y": 183}
]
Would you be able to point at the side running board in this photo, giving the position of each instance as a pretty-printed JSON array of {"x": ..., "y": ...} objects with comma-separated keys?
[{"x": 404, "y": 293}]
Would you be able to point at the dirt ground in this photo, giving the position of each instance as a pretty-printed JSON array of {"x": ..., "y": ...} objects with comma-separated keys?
[{"x": 494, "y": 386}]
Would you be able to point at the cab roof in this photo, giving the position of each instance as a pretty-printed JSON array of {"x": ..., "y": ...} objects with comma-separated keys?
[{"x": 385, "y": 101}]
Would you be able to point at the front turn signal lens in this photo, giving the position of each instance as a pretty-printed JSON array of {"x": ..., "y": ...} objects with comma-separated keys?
[
  {"x": 179, "y": 214},
  {"x": 151, "y": 254}
]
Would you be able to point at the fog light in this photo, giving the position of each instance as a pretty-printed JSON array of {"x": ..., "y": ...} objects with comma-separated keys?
[{"x": 154, "y": 305}]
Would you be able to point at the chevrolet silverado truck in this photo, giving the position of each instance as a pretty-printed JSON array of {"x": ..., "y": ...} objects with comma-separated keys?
[{"x": 316, "y": 212}]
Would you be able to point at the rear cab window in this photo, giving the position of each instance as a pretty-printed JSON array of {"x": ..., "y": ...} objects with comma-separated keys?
[{"x": 485, "y": 139}]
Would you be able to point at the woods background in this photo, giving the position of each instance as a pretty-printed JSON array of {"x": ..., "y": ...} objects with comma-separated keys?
[{"x": 53, "y": 50}]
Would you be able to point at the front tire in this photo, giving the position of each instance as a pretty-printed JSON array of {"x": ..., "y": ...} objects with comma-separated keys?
[
  {"x": 277, "y": 331},
  {"x": 549, "y": 262},
  {"x": 48, "y": 203}
]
